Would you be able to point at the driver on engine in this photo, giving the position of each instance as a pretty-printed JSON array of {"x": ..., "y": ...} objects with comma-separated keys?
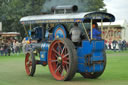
[{"x": 75, "y": 33}]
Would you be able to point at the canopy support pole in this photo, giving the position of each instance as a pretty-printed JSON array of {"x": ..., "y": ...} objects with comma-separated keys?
[
  {"x": 25, "y": 30},
  {"x": 85, "y": 31},
  {"x": 91, "y": 30},
  {"x": 30, "y": 29},
  {"x": 101, "y": 28}
]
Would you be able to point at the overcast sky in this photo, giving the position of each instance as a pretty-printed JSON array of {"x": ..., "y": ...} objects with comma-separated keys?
[{"x": 118, "y": 7}]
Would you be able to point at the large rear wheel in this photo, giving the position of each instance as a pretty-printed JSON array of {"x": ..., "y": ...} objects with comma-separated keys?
[
  {"x": 94, "y": 75},
  {"x": 62, "y": 59}
]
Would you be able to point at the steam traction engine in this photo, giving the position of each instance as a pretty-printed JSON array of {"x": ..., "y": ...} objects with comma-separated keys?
[{"x": 54, "y": 47}]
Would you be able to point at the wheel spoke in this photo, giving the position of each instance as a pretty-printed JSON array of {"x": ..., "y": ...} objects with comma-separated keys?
[
  {"x": 30, "y": 67},
  {"x": 30, "y": 63},
  {"x": 27, "y": 63},
  {"x": 57, "y": 64},
  {"x": 56, "y": 51},
  {"x": 59, "y": 47},
  {"x": 65, "y": 55},
  {"x": 53, "y": 61},
  {"x": 66, "y": 62},
  {"x": 56, "y": 56},
  {"x": 63, "y": 50},
  {"x": 62, "y": 73},
  {"x": 58, "y": 68}
]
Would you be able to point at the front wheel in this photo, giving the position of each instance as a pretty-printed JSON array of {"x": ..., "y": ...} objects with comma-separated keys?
[
  {"x": 62, "y": 59},
  {"x": 30, "y": 63}
]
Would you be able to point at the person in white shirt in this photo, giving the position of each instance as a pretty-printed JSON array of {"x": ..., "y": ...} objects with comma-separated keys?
[{"x": 75, "y": 33}]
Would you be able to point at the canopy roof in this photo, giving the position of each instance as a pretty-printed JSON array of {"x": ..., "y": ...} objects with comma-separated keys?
[{"x": 72, "y": 17}]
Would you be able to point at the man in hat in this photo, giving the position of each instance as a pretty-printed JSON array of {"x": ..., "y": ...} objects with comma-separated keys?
[{"x": 96, "y": 34}]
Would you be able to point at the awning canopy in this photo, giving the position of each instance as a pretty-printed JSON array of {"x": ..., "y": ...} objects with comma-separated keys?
[
  {"x": 9, "y": 34},
  {"x": 72, "y": 17}
]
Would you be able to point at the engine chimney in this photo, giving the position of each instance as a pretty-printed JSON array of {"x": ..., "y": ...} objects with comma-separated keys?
[{"x": 64, "y": 9}]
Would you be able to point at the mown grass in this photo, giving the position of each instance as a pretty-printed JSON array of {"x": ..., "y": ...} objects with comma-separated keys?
[{"x": 12, "y": 72}]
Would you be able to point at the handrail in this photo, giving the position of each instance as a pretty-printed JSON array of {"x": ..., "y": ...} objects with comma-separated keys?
[{"x": 85, "y": 31}]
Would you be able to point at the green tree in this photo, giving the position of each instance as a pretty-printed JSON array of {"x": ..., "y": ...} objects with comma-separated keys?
[
  {"x": 13, "y": 10},
  {"x": 95, "y": 5}
]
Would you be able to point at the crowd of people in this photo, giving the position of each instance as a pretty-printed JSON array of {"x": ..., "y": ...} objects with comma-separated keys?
[
  {"x": 9, "y": 47},
  {"x": 117, "y": 45}
]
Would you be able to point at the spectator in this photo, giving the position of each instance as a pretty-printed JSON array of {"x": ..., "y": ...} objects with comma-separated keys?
[
  {"x": 9, "y": 48},
  {"x": 6, "y": 49},
  {"x": 17, "y": 47},
  {"x": 124, "y": 47},
  {"x": 12, "y": 49},
  {"x": 25, "y": 42},
  {"x": 114, "y": 45},
  {"x": 106, "y": 46},
  {"x": 23, "y": 45},
  {"x": 109, "y": 45},
  {"x": 1, "y": 49},
  {"x": 120, "y": 45},
  {"x": 14, "y": 46}
]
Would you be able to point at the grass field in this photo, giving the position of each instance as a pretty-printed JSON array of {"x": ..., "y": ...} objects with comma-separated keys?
[{"x": 12, "y": 72}]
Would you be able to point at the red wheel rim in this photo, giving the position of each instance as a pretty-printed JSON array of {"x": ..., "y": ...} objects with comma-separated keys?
[
  {"x": 28, "y": 63},
  {"x": 58, "y": 60}
]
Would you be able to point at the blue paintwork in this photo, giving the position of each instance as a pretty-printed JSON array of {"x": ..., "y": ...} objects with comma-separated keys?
[
  {"x": 44, "y": 52},
  {"x": 29, "y": 32},
  {"x": 43, "y": 56},
  {"x": 59, "y": 32},
  {"x": 26, "y": 38},
  {"x": 93, "y": 48},
  {"x": 45, "y": 46}
]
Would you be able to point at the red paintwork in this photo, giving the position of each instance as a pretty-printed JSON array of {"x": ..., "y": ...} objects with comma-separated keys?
[{"x": 28, "y": 67}]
